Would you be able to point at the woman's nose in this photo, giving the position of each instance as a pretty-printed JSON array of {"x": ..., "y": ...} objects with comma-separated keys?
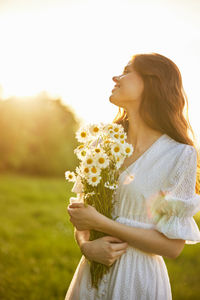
[{"x": 115, "y": 78}]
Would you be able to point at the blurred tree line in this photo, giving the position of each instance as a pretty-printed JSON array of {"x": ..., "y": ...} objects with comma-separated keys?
[{"x": 37, "y": 136}]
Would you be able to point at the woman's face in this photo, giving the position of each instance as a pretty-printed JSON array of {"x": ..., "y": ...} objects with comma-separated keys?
[{"x": 128, "y": 89}]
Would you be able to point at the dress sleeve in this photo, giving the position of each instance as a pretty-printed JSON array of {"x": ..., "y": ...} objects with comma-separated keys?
[{"x": 175, "y": 205}]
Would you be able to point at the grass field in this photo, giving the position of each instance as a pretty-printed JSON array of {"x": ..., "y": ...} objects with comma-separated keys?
[{"x": 38, "y": 254}]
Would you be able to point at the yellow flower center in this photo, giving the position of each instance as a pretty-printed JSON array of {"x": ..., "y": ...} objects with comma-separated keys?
[
  {"x": 110, "y": 127},
  {"x": 116, "y": 149},
  {"x": 121, "y": 136},
  {"x": 83, "y": 153},
  {"x": 101, "y": 160},
  {"x": 89, "y": 161},
  {"x": 81, "y": 146},
  {"x": 95, "y": 129},
  {"x": 83, "y": 134},
  {"x": 94, "y": 179},
  {"x": 97, "y": 150},
  {"x": 86, "y": 170},
  {"x": 94, "y": 170},
  {"x": 70, "y": 176},
  {"x": 128, "y": 150},
  {"x": 116, "y": 129},
  {"x": 116, "y": 136}
]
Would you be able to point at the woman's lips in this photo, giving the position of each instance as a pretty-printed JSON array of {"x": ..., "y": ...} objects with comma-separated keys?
[{"x": 115, "y": 87}]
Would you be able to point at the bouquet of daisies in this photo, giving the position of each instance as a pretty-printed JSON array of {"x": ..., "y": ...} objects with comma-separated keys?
[{"x": 101, "y": 153}]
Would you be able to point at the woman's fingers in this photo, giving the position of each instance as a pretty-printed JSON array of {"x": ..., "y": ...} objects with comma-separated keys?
[
  {"x": 119, "y": 253},
  {"x": 112, "y": 239},
  {"x": 119, "y": 246},
  {"x": 76, "y": 205}
]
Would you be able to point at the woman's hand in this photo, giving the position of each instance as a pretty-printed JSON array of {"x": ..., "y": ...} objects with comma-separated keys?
[
  {"x": 83, "y": 217},
  {"x": 105, "y": 250}
]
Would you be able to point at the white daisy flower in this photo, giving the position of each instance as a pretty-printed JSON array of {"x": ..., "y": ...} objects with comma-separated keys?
[
  {"x": 98, "y": 150},
  {"x": 122, "y": 136},
  {"x": 94, "y": 180},
  {"x": 116, "y": 128},
  {"x": 113, "y": 127},
  {"x": 119, "y": 161},
  {"x": 89, "y": 160},
  {"x": 80, "y": 147},
  {"x": 107, "y": 128},
  {"x": 94, "y": 170},
  {"x": 113, "y": 186},
  {"x": 70, "y": 176},
  {"x": 82, "y": 134},
  {"x": 122, "y": 142},
  {"x": 115, "y": 136},
  {"x": 81, "y": 153},
  {"x": 94, "y": 129},
  {"x": 110, "y": 132},
  {"x": 102, "y": 160},
  {"x": 128, "y": 149},
  {"x": 117, "y": 149},
  {"x": 85, "y": 170}
]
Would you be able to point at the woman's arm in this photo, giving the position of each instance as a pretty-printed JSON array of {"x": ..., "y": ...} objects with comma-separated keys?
[
  {"x": 105, "y": 250},
  {"x": 81, "y": 236},
  {"x": 147, "y": 240}
]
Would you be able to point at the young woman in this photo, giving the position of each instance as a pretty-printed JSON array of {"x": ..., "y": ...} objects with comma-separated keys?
[{"x": 151, "y": 100}]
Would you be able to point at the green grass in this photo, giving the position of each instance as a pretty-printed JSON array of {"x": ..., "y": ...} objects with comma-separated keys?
[{"x": 38, "y": 254}]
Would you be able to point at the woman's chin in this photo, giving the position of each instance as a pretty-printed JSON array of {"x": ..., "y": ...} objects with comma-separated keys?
[
  {"x": 112, "y": 96},
  {"x": 113, "y": 100}
]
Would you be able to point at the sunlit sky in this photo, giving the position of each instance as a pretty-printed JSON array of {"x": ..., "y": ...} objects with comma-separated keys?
[{"x": 72, "y": 49}]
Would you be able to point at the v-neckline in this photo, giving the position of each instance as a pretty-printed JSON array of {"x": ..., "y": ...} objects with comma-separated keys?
[{"x": 148, "y": 149}]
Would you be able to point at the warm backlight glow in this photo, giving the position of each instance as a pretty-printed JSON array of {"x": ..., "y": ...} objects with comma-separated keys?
[{"x": 72, "y": 49}]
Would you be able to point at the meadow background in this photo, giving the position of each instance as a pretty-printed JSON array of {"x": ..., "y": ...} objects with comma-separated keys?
[{"x": 38, "y": 253}]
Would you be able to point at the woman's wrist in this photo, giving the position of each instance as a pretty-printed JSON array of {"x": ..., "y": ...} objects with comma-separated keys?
[
  {"x": 100, "y": 222},
  {"x": 81, "y": 236},
  {"x": 84, "y": 248}
]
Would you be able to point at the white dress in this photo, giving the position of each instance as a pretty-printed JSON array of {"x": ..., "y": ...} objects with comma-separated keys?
[{"x": 167, "y": 166}]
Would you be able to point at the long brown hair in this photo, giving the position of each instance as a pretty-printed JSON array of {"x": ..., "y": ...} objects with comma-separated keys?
[{"x": 163, "y": 101}]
